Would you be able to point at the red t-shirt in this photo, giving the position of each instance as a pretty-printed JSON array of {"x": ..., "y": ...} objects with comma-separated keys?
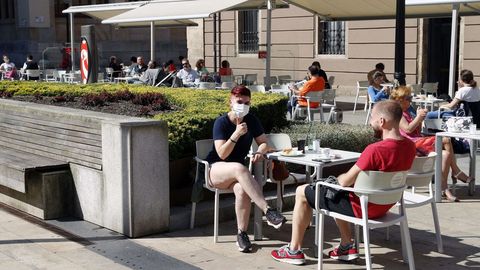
[{"x": 388, "y": 155}]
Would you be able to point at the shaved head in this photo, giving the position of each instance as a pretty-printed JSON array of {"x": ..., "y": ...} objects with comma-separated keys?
[{"x": 390, "y": 110}]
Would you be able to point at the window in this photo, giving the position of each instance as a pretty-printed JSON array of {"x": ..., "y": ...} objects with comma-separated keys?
[
  {"x": 7, "y": 10},
  {"x": 331, "y": 38},
  {"x": 248, "y": 31}
]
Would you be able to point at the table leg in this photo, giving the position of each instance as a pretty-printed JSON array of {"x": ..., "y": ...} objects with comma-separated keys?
[
  {"x": 473, "y": 153},
  {"x": 257, "y": 212},
  {"x": 438, "y": 169}
]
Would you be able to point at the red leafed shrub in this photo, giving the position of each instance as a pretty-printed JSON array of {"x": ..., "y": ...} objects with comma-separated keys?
[
  {"x": 124, "y": 95},
  {"x": 93, "y": 100},
  {"x": 157, "y": 100}
]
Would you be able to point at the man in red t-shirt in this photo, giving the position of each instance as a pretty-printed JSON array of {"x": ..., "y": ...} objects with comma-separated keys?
[{"x": 393, "y": 153}]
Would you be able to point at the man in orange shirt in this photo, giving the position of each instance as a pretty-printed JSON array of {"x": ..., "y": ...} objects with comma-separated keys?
[{"x": 316, "y": 83}]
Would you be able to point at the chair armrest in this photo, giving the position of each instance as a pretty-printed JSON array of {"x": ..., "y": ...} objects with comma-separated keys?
[
  {"x": 357, "y": 190},
  {"x": 207, "y": 167}
]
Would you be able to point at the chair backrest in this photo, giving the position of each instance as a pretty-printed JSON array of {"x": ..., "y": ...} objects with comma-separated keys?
[
  {"x": 273, "y": 80},
  {"x": 33, "y": 72},
  {"x": 284, "y": 79},
  {"x": 203, "y": 147},
  {"x": 48, "y": 72},
  {"x": 422, "y": 170},
  {"x": 275, "y": 87},
  {"x": 432, "y": 125},
  {"x": 109, "y": 70},
  {"x": 315, "y": 96},
  {"x": 362, "y": 85},
  {"x": 226, "y": 78},
  {"x": 374, "y": 182},
  {"x": 331, "y": 80},
  {"x": 228, "y": 85},
  {"x": 430, "y": 87},
  {"x": 101, "y": 76},
  {"x": 328, "y": 96},
  {"x": 257, "y": 88},
  {"x": 250, "y": 79},
  {"x": 206, "y": 85},
  {"x": 474, "y": 108},
  {"x": 416, "y": 88}
]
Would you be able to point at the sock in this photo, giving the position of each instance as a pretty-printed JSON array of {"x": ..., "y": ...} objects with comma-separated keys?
[{"x": 346, "y": 247}]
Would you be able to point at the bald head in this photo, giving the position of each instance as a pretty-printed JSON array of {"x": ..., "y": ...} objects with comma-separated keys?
[{"x": 390, "y": 110}]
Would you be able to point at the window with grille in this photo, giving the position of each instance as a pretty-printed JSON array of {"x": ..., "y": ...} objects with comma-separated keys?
[
  {"x": 7, "y": 10},
  {"x": 248, "y": 31},
  {"x": 331, "y": 38}
]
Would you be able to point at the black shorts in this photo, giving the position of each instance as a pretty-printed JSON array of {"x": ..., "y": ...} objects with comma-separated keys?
[{"x": 341, "y": 204}]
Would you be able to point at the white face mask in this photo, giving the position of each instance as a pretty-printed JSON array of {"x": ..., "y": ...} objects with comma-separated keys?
[{"x": 240, "y": 109}]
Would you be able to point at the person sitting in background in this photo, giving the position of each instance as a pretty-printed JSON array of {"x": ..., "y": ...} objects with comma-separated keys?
[
  {"x": 187, "y": 74},
  {"x": 225, "y": 70},
  {"x": 171, "y": 66},
  {"x": 133, "y": 63},
  {"x": 164, "y": 72},
  {"x": 375, "y": 91},
  {"x": 139, "y": 68},
  {"x": 117, "y": 69},
  {"x": 8, "y": 68},
  {"x": 180, "y": 62},
  {"x": 322, "y": 74},
  {"x": 148, "y": 76},
  {"x": 200, "y": 68},
  {"x": 380, "y": 67},
  {"x": 30, "y": 64},
  {"x": 468, "y": 92},
  {"x": 392, "y": 154},
  {"x": 410, "y": 128},
  {"x": 315, "y": 83}
]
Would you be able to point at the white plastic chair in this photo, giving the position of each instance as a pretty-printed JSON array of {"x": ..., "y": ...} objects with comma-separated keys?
[
  {"x": 361, "y": 86},
  {"x": 375, "y": 187},
  {"x": 282, "y": 79},
  {"x": 35, "y": 73},
  {"x": 226, "y": 78},
  {"x": 52, "y": 75},
  {"x": 273, "y": 80},
  {"x": 312, "y": 96},
  {"x": 430, "y": 88},
  {"x": 203, "y": 147},
  {"x": 416, "y": 88},
  {"x": 328, "y": 102},
  {"x": 101, "y": 77},
  {"x": 279, "y": 141},
  {"x": 228, "y": 85},
  {"x": 420, "y": 175},
  {"x": 110, "y": 73},
  {"x": 250, "y": 79},
  {"x": 257, "y": 88},
  {"x": 206, "y": 85}
]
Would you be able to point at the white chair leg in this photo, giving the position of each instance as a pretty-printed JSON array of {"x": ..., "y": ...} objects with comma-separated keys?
[
  {"x": 356, "y": 100},
  {"x": 192, "y": 215},
  {"x": 215, "y": 217},
  {"x": 436, "y": 223},
  {"x": 368, "y": 114},
  {"x": 357, "y": 236},
  {"x": 319, "y": 229},
  {"x": 366, "y": 246},
  {"x": 408, "y": 244}
]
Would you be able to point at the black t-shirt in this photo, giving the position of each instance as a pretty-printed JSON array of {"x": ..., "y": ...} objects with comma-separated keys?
[
  {"x": 223, "y": 128},
  {"x": 31, "y": 65}
]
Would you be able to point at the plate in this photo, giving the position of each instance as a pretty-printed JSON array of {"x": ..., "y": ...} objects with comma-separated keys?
[{"x": 292, "y": 153}]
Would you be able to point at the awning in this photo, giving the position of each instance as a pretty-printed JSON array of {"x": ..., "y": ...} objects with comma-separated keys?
[
  {"x": 347, "y": 10},
  {"x": 185, "y": 9},
  {"x": 104, "y": 11}
]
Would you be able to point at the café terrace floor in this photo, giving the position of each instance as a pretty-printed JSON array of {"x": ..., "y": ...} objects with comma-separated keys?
[{"x": 30, "y": 243}]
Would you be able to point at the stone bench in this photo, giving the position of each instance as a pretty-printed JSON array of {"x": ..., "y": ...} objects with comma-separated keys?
[{"x": 111, "y": 170}]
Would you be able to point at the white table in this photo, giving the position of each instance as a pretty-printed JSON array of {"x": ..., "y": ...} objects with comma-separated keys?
[
  {"x": 122, "y": 79},
  {"x": 473, "y": 138},
  {"x": 425, "y": 102}
]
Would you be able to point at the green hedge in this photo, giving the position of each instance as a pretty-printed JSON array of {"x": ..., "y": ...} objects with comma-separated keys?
[
  {"x": 199, "y": 108},
  {"x": 338, "y": 136}
]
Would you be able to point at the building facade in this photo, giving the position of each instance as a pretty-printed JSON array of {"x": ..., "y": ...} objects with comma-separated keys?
[{"x": 346, "y": 50}]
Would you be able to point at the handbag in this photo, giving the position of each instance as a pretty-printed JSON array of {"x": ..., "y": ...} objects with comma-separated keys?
[{"x": 280, "y": 173}]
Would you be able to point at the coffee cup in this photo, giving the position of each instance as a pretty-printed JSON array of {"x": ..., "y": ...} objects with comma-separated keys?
[{"x": 301, "y": 145}]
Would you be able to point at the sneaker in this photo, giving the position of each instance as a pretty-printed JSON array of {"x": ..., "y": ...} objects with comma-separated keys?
[
  {"x": 275, "y": 218},
  {"x": 285, "y": 254},
  {"x": 243, "y": 242},
  {"x": 344, "y": 255}
]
